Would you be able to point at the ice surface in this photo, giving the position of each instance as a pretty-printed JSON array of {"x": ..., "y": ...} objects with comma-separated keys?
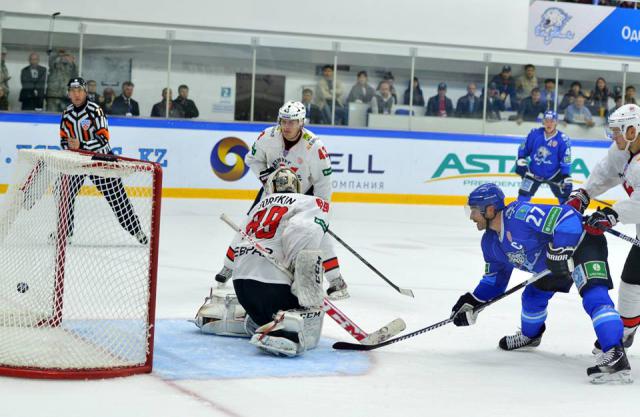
[{"x": 447, "y": 372}]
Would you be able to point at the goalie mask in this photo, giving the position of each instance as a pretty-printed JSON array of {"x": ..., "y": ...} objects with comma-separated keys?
[
  {"x": 621, "y": 120},
  {"x": 283, "y": 180}
]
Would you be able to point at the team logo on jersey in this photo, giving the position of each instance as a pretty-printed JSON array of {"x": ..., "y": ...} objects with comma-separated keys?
[
  {"x": 542, "y": 156},
  {"x": 552, "y": 22},
  {"x": 86, "y": 124},
  {"x": 517, "y": 258},
  {"x": 229, "y": 146}
]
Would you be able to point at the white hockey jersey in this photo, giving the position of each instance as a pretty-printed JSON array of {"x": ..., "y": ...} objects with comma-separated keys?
[
  {"x": 308, "y": 159},
  {"x": 618, "y": 167},
  {"x": 285, "y": 224}
]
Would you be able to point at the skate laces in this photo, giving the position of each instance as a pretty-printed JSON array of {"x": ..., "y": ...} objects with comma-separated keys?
[
  {"x": 606, "y": 358},
  {"x": 517, "y": 340}
]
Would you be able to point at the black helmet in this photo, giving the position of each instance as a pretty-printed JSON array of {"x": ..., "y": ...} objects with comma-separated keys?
[{"x": 77, "y": 82}]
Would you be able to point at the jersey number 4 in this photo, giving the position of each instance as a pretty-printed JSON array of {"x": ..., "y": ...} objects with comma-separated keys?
[{"x": 264, "y": 225}]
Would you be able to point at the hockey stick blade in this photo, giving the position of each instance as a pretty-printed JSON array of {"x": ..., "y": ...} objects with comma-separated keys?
[{"x": 385, "y": 333}]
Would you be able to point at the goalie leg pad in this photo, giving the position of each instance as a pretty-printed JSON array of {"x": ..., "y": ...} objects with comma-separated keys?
[
  {"x": 291, "y": 333},
  {"x": 222, "y": 315},
  {"x": 307, "y": 280}
]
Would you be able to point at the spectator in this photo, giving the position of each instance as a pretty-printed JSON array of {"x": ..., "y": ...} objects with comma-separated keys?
[
  {"x": 440, "y": 105},
  {"x": 578, "y": 113},
  {"x": 531, "y": 107},
  {"x": 507, "y": 87},
  {"x": 418, "y": 97},
  {"x": 599, "y": 100},
  {"x": 494, "y": 103},
  {"x": 325, "y": 91},
  {"x": 188, "y": 106},
  {"x": 92, "y": 93},
  {"x": 570, "y": 96},
  {"x": 630, "y": 95},
  {"x": 313, "y": 113},
  {"x": 526, "y": 82},
  {"x": 362, "y": 91},
  {"x": 62, "y": 67},
  {"x": 618, "y": 104},
  {"x": 108, "y": 96},
  {"x": 4, "y": 101},
  {"x": 124, "y": 105},
  {"x": 32, "y": 79},
  {"x": 383, "y": 101},
  {"x": 470, "y": 104},
  {"x": 388, "y": 77},
  {"x": 548, "y": 95},
  {"x": 4, "y": 72},
  {"x": 160, "y": 109}
]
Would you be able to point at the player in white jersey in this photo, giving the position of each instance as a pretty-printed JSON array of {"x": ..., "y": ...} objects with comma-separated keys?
[
  {"x": 621, "y": 166},
  {"x": 284, "y": 315},
  {"x": 290, "y": 144}
]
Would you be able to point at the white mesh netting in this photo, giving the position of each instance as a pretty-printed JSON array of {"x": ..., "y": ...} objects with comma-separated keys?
[{"x": 75, "y": 262}]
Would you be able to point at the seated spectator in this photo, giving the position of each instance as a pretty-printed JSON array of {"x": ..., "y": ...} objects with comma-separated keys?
[
  {"x": 507, "y": 87},
  {"x": 325, "y": 90},
  {"x": 124, "y": 105},
  {"x": 4, "y": 101},
  {"x": 570, "y": 96},
  {"x": 578, "y": 113},
  {"x": 108, "y": 96},
  {"x": 388, "y": 77},
  {"x": 616, "y": 106},
  {"x": 470, "y": 104},
  {"x": 92, "y": 93},
  {"x": 548, "y": 95},
  {"x": 418, "y": 97},
  {"x": 383, "y": 101},
  {"x": 362, "y": 91},
  {"x": 32, "y": 78},
  {"x": 494, "y": 103},
  {"x": 630, "y": 95},
  {"x": 440, "y": 105},
  {"x": 188, "y": 106},
  {"x": 160, "y": 109},
  {"x": 526, "y": 82},
  {"x": 314, "y": 114},
  {"x": 531, "y": 107},
  {"x": 599, "y": 100}
]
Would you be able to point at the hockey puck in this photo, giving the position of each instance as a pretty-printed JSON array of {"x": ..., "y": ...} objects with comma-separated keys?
[{"x": 22, "y": 287}]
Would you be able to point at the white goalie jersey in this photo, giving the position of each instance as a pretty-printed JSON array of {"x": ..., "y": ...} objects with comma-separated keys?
[{"x": 285, "y": 224}]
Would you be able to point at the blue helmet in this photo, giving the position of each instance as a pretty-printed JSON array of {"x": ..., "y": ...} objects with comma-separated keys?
[
  {"x": 550, "y": 114},
  {"x": 486, "y": 195}
]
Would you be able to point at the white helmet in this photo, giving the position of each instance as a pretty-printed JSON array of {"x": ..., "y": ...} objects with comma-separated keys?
[
  {"x": 282, "y": 180},
  {"x": 292, "y": 110},
  {"x": 625, "y": 117}
]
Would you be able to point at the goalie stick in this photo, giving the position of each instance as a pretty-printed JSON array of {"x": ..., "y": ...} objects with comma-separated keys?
[
  {"x": 355, "y": 346},
  {"x": 380, "y": 335}
]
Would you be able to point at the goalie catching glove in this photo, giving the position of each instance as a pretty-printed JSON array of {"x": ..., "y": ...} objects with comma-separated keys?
[{"x": 462, "y": 311}]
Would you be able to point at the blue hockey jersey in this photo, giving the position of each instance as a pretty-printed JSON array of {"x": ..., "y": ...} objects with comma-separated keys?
[
  {"x": 547, "y": 156},
  {"x": 526, "y": 231}
]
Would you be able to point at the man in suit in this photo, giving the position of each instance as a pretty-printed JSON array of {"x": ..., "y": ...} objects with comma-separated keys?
[
  {"x": 124, "y": 105},
  {"x": 314, "y": 114},
  {"x": 32, "y": 78}
]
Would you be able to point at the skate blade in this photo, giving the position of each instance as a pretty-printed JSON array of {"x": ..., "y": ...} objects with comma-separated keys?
[
  {"x": 385, "y": 333},
  {"x": 618, "y": 378},
  {"x": 339, "y": 295}
]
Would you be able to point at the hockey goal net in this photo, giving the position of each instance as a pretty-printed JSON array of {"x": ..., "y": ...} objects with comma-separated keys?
[{"x": 78, "y": 263}]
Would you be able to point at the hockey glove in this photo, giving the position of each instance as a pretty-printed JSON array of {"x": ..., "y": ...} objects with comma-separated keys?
[
  {"x": 264, "y": 175},
  {"x": 559, "y": 260},
  {"x": 601, "y": 220},
  {"x": 462, "y": 312},
  {"x": 579, "y": 200},
  {"x": 522, "y": 167}
]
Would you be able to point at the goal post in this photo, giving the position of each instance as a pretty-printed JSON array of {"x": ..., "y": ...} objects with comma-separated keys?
[{"x": 79, "y": 236}]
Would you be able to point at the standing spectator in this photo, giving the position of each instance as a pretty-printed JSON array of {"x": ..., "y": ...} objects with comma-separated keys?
[
  {"x": 418, "y": 97},
  {"x": 549, "y": 94},
  {"x": 92, "y": 93},
  {"x": 507, "y": 87},
  {"x": 4, "y": 101},
  {"x": 313, "y": 113},
  {"x": 616, "y": 106},
  {"x": 578, "y": 113},
  {"x": 188, "y": 106},
  {"x": 526, "y": 82},
  {"x": 469, "y": 105},
  {"x": 108, "y": 96},
  {"x": 325, "y": 91},
  {"x": 630, "y": 95},
  {"x": 62, "y": 67},
  {"x": 124, "y": 105},
  {"x": 160, "y": 109},
  {"x": 362, "y": 91},
  {"x": 494, "y": 103},
  {"x": 440, "y": 105},
  {"x": 383, "y": 101},
  {"x": 4, "y": 72},
  {"x": 388, "y": 77},
  {"x": 570, "y": 96},
  {"x": 531, "y": 107},
  {"x": 32, "y": 78},
  {"x": 599, "y": 100}
]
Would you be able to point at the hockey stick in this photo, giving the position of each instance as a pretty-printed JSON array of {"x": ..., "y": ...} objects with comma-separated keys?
[
  {"x": 403, "y": 291},
  {"x": 614, "y": 232},
  {"x": 355, "y": 346},
  {"x": 382, "y": 334}
]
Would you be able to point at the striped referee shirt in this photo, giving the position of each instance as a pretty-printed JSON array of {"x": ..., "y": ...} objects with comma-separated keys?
[{"x": 88, "y": 124}]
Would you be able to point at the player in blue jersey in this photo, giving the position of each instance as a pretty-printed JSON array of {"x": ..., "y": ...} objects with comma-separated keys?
[
  {"x": 545, "y": 157},
  {"x": 535, "y": 237}
]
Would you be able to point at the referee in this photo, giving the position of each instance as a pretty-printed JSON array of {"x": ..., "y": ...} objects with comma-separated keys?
[{"x": 84, "y": 126}]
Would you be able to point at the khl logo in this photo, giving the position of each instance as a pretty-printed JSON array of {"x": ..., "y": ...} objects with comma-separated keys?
[{"x": 552, "y": 22}]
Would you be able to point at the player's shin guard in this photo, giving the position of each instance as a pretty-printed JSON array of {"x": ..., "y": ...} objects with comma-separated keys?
[
  {"x": 534, "y": 310},
  {"x": 606, "y": 320},
  {"x": 629, "y": 307}
]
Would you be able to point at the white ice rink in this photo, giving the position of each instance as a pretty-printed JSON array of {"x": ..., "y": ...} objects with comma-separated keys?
[{"x": 447, "y": 372}]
